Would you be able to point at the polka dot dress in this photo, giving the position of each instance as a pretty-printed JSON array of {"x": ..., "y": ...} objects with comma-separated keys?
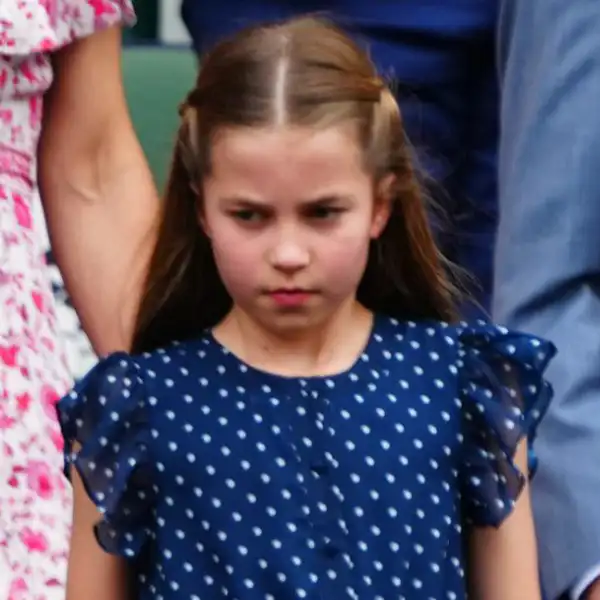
[{"x": 217, "y": 480}]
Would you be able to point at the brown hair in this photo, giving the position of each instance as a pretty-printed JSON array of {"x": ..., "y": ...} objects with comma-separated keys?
[{"x": 328, "y": 80}]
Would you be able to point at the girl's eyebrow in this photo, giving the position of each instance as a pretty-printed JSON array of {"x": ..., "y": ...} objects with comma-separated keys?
[
  {"x": 329, "y": 199},
  {"x": 245, "y": 202},
  {"x": 257, "y": 205}
]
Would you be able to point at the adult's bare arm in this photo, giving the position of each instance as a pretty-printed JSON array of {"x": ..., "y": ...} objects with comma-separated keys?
[{"x": 98, "y": 194}]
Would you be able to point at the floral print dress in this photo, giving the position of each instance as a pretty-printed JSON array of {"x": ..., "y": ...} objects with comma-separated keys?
[{"x": 35, "y": 501}]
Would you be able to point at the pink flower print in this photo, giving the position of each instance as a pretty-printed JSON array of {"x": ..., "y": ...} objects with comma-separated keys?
[
  {"x": 102, "y": 8},
  {"x": 6, "y": 422},
  {"x": 15, "y": 134},
  {"x": 22, "y": 310},
  {"x": 46, "y": 45},
  {"x": 28, "y": 72},
  {"x": 35, "y": 541},
  {"x": 6, "y": 116},
  {"x": 58, "y": 441},
  {"x": 18, "y": 590},
  {"x": 23, "y": 402},
  {"x": 49, "y": 400},
  {"x": 38, "y": 300},
  {"x": 5, "y": 40},
  {"x": 35, "y": 111},
  {"x": 39, "y": 479},
  {"x": 51, "y": 7},
  {"x": 8, "y": 355},
  {"x": 22, "y": 212},
  {"x": 7, "y": 451},
  {"x": 37, "y": 498}
]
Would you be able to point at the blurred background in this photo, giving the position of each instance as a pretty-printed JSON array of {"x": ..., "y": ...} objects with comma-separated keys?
[{"x": 158, "y": 69}]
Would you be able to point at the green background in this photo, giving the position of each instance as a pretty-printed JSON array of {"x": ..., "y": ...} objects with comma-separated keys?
[{"x": 157, "y": 79}]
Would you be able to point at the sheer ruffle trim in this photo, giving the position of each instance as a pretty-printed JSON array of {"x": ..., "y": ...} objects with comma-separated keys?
[
  {"x": 504, "y": 396},
  {"x": 105, "y": 426}
]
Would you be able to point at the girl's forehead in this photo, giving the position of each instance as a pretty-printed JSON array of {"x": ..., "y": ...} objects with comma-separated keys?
[
  {"x": 299, "y": 158},
  {"x": 287, "y": 166}
]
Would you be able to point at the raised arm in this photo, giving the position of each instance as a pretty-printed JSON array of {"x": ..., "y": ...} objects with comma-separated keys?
[
  {"x": 97, "y": 190},
  {"x": 548, "y": 260}
]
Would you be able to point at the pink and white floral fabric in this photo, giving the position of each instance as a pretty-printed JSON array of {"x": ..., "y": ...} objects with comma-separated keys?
[{"x": 35, "y": 501}]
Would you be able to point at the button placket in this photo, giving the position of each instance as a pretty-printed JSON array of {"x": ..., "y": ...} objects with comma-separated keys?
[{"x": 320, "y": 474}]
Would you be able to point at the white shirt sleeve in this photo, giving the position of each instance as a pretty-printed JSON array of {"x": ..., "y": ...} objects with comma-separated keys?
[{"x": 584, "y": 582}]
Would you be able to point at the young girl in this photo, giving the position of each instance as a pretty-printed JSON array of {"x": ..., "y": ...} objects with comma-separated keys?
[{"x": 323, "y": 428}]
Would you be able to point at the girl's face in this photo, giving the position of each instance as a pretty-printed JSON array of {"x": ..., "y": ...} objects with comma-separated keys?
[{"x": 290, "y": 212}]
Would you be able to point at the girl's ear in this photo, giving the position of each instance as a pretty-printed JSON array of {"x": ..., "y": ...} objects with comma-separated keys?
[{"x": 382, "y": 205}]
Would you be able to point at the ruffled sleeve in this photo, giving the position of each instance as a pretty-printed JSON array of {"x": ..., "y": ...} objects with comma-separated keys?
[
  {"x": 104, "y": 424},
  {"x": 33, "y": 26},
  {"x": 503, "y": 396},
  {"x": 85, "y": 17}
]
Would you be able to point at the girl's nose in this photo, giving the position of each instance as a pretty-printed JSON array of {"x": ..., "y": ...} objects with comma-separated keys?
[{"x": 289, "y": 256}]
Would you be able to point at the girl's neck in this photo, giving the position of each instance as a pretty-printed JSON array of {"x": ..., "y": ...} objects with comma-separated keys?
[{"x": 329, "y": 349}]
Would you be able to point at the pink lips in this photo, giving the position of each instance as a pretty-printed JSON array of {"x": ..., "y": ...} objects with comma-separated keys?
[{"x": 290, "y": 298}]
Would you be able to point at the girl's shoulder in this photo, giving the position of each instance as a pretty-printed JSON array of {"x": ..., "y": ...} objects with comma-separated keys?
[
  {"x": 494, "y": 377},
  {"x": 107, "y": 421},
  {"x": 439, "y": 341},
  {"x": 176, "y": 360},
  {"x": 126, "y": 381},
  {"x": 480, "y": 364}
]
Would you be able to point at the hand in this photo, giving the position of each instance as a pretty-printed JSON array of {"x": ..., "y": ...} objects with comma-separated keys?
[{"x": 593, "y": 592}]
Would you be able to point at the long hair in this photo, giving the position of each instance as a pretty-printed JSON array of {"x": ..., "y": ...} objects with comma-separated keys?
[{"x": 329, "y": 80}]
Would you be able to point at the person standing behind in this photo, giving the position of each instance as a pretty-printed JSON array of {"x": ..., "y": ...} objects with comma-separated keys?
[
  {"x": 548, "y": 262},
  {"x": 63, "y": 123},
  {"x": 440, "y": 55}
]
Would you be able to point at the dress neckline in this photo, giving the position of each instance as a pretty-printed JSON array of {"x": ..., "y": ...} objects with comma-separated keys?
[{"x": 378, "y": 326}]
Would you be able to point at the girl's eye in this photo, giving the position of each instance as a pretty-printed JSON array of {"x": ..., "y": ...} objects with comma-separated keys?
[
  {"x": 247, "y": 215},
  {"x": 325, "y": 212}
]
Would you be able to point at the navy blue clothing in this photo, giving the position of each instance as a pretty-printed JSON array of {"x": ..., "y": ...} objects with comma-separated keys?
[
  {"x": 217, "y": 480},
  {"x": 442, "y": 54}
]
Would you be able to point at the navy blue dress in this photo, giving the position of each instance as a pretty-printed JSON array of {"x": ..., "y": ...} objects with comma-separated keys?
[{"x": 217, "y": 480}]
